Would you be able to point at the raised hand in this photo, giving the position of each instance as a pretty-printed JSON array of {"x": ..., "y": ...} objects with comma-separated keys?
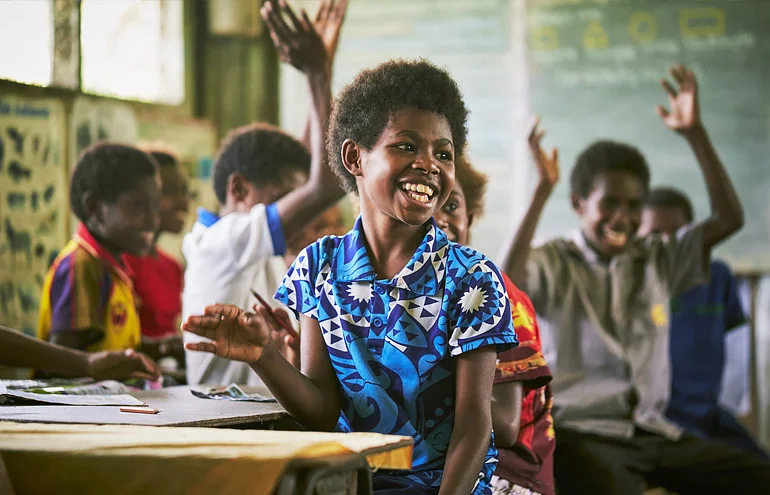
[
  {"x": 328, "y": 22},
  {"x": 297, "y": 41},
  {"x": 547, "y": 164},
  {"x": 235, "y": 334},
  {"x": 684, "y": 112},
  {"x": 120, "y": 365}
]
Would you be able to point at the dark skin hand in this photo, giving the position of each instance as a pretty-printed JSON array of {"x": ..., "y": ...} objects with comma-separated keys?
[
  {"x": 17, "y": 349},
  {"x": 683, "y": 116},
  {"x": 311, "y": 396},
  {"x": 299, "y": 44}
]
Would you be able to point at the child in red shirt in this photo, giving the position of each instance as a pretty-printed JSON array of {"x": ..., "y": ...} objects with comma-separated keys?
[
  {"x": 158, "y": 277},
  {"x": 521, "y": 397}
]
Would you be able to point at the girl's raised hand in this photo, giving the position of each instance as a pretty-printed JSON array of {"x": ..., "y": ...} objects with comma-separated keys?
[
  {"x": 235, "y": 334},
  {"x": 547, "y": 164}
]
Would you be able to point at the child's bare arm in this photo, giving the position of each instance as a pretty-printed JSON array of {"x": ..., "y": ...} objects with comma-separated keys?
[
  {"x": 515, "y": 251},
  {"x": 506, "y": 412},
  {"x": 300, "y": 45},
  {"x": 328, "y": 22},
  {"x": 684, "y": 118},
  {"x": 311, "y": 396},
  {"x": 473, "y": 420},
  {"x": 16, "y": 349}
]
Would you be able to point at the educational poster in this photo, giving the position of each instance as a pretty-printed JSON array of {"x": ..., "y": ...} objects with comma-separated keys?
[
  {"x": 96, "y": 120},
  {"x": 33, "y": 203},
  {"x": 195, "y": 142}
]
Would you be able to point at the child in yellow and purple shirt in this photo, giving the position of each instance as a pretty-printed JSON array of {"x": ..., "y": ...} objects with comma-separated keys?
[{"x": 88, "y": 299}]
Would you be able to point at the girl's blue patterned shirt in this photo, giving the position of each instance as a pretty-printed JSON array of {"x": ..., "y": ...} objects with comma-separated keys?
[{"x": 392, "y": 342}]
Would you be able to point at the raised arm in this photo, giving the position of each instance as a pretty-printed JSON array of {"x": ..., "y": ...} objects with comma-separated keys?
[
  {"x": 310, "y": 396},
  {"x": 684, "y": 117},
  {"x": 515, "y": 251},
  {"x": 300, "y": 45},
  {"x": 17, "y": 349},
  {"x": 328, "y": 22}
]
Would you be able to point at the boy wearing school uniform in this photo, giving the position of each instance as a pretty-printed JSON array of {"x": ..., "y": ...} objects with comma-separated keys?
[
  {"x": 701, "y": 320},
  {"x": 269, "y": 189},
  {"x": 605, "y": 296},
  {"x": 88, "y": 300}
]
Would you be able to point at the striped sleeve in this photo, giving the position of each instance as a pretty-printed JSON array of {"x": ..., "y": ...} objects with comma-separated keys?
[{"x": 79, "y": 292}]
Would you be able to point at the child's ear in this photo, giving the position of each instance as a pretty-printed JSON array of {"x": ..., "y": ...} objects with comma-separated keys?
[
  {"x": 92, "y": 207},
  {"x": 351, "y": 157},
  {"x": 470, "y": 220},
  {"x": 577, "y": 203},
  {"x": 236, "y": 186}
]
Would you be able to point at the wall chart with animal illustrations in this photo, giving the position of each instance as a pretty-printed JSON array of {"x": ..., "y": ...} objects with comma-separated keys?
[{"x": 33, "y": 203}]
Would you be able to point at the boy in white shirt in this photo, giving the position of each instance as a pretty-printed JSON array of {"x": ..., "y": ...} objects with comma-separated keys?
[{"x": 270, "y": 189}]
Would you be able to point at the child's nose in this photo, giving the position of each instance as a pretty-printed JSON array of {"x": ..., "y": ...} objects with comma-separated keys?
[{"x": 426, "y": 163}]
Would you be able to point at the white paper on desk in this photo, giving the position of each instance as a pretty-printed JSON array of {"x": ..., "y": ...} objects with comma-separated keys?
[{"x": 73, "y": 400}]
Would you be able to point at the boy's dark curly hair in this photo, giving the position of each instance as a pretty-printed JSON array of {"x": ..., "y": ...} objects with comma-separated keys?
[
  {"x": 474, "y": 185},
  {"x": 163, "y": 154},
  {"x": 364, "y": 106},
  {"x": 107, "y": 170},
  {"x": 607, "y": 156},
  {"x": 264, "y": 154},
  {"x": 669, "y": 197}
]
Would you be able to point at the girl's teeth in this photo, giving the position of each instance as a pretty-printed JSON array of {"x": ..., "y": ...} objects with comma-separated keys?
[{"x": 422, "y": 198}]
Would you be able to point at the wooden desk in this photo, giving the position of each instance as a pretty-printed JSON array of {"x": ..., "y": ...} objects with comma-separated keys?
[
  {"x": 178, "y": 407},
  {"x": 117, "y": 459}
]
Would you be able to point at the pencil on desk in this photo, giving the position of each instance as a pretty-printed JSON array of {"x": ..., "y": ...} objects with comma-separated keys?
[
  {"x": 142, "y": 410},
  {"x": 285, "y": 326}
]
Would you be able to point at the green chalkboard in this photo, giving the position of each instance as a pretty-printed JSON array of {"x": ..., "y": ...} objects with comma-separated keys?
[{"x": 593, "y": 70}]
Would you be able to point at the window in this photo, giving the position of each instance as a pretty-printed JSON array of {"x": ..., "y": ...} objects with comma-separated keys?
[
  {"x": 26, "y": 41},
  {"x": 133, "y": 49}
]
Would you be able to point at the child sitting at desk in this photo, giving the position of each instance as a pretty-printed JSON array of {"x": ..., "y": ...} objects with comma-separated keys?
[
  {"x": 701, "y": 320},
  {"x": 88, "y": 300},
  {"x": 605, "y": 294},
  {"x": 158, "y": 277},
  {"x": 266, "y": 199},
  {"x": 400, "y": 327},
  {"x": 521, "y": 396}
]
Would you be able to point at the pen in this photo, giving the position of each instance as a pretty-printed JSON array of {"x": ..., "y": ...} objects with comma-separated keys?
[{"x": 285, "y": 326}]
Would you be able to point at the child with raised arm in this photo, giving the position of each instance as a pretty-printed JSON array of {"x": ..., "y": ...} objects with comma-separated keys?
[
  {"x": 400, "y": 327},
  {"x": 605, "y": 295},
  {"x": 270, "y": 190},
  {"x": 521, "y": 396},
  {"x": 702, "y": 319}
]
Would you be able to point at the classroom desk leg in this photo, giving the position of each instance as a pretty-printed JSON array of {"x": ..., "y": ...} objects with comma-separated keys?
[{"x": 345, "y": 478}]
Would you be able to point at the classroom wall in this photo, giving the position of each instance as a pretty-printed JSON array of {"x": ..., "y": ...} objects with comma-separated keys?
[{"x": 229, "y": 81}]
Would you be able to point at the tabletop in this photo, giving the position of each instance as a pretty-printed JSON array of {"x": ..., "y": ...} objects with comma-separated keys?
[{"x": 177, "y": 406}]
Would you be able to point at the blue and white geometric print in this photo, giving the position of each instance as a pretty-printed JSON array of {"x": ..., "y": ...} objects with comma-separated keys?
[{"x": 392, "y": 342}]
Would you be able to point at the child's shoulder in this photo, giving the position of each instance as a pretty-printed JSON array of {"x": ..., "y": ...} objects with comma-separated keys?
[{"x": 463, "y": 261}]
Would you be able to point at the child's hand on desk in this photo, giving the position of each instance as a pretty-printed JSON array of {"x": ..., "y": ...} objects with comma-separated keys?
[
  {"x": 298, "y": 42},
  {"x": 235, "y": 333},
  {"x": 684, "y": 115},
  {"x": 119, "y": 365},
  {"x": 547, "y": 164}
]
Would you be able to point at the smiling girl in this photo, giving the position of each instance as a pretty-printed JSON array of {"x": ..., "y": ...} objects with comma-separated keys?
[{"x": 400, "y": 327}]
